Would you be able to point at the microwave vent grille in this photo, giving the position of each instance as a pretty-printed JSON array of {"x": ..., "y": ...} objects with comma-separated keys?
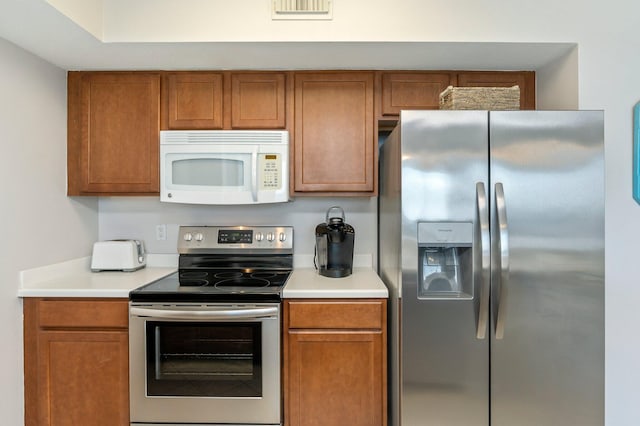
[{"x": 222, "y": 136}]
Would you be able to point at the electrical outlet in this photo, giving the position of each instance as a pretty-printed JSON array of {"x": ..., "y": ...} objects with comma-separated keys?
[{"x": 161, "y": 232}]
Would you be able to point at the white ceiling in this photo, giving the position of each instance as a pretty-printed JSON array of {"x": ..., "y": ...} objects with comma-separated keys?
[{"x": 41, "y": 29}]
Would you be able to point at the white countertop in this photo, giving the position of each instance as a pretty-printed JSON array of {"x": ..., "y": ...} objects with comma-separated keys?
[
  {"x": 75, "y": 279},
  {"x": 307, "y": 283}
]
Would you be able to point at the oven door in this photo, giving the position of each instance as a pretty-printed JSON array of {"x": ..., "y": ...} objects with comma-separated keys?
[{"x": 206, "y": 364}]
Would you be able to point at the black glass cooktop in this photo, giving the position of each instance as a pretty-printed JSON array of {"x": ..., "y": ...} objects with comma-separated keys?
[
  {"x": 235, "y": 285},
  {"x": 233, "y": 280}
]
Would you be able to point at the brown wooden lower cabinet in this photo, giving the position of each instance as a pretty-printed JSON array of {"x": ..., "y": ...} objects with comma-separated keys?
[
  {"x": 335, "y": 362},
  {"x": 76, "y": 362}
]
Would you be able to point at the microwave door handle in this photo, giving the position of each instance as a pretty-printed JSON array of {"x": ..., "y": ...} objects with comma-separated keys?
[{"x": 254, "y": 175}]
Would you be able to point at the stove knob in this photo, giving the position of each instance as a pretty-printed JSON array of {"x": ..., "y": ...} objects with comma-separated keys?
[
  {"x": 270, "y": 236},
  {"x": 188, "y": 236},
  {"x": 282, "y": 237},
  {"x": 199, "y": 236},
  {"x": 259, "y": 236}
]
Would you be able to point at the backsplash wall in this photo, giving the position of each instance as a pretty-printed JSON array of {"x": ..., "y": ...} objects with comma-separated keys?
[{"x": 137, "y": 217}]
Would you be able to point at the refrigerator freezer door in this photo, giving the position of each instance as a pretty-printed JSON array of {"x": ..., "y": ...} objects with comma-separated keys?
[
  {"x": 548, "y": 366},
  {"x": 444, "y": 365}
]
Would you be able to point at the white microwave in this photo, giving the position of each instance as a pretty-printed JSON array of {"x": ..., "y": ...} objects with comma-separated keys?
[{"x": 224, "y": 166}]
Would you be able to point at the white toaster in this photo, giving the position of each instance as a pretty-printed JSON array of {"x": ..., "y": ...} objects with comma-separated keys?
[{"x": 118, "y": 255}]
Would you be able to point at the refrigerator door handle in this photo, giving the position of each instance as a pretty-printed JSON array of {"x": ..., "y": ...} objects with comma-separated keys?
[
  {"x": 485, "y": 259},
  {"x": 503, "y": 247}
]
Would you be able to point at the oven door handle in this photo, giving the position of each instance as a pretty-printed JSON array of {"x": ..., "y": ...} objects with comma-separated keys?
[{"x": 251, "y": 313}]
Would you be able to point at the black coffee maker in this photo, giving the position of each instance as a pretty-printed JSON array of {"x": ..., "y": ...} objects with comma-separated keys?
[{"x": 334, "y": 245}]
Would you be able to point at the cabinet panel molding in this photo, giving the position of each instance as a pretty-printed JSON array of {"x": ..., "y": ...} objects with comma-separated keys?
[
  {"x": 336, "y": 314},
  {"x": 412, "y": 90},
  {"x": 334, "y": 148},
  {"x": 335, "y": 370},
  {"x": 525, "y": 79},
  {"x": 76, "y": 364},
  {"x": 113, "y": 133},
  {"x": 195, "y": 100},
  {"x": 83, "y": 378},
  {"x": 258, "y": 100},
  {"x": 83, "y": 313},
  {"x": 335, "y": 376}
]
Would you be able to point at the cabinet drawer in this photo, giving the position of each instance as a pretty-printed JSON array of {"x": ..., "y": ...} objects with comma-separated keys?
[
  {"x": 339, "y": 314},
  {"x": 74, "y": 313}
]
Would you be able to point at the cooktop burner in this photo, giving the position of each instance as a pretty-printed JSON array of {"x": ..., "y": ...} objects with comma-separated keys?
[
  {"x": 175, "y": 288},
  {"x": 226, "y": 264},
  {"x": 223, "y": 279}
]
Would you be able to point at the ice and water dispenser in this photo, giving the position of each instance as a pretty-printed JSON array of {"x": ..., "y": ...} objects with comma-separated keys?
[{"x": 445, "y": 260}]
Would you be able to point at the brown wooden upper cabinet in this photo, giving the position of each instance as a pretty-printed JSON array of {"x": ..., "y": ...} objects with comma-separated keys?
[
  {"x": 225, "y": 100},
  {"x": 411, "y": 90},
  {"x": 258, "y": 100},
  {"x": 194, "y": 100},
  {"x": 525, "y": 79},
  {"x": 421, "y": 89},
  {"x": 114, "y": 119},
  {"x": 113, "y": 131},
  {"x": 334, "y": 143}
]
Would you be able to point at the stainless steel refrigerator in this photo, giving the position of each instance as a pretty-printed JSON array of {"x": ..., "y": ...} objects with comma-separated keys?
[{"x": 491, "y": 229}]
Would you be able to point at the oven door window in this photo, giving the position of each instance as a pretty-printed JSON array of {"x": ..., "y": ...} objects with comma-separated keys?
[{"x": 204, "y": 359}]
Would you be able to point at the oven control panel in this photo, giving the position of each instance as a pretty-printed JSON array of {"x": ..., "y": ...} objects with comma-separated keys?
[{"x": 214, "y": 238}]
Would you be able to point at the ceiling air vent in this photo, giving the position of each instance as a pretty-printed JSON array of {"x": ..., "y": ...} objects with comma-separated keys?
[{"x": 302, "y": 9}]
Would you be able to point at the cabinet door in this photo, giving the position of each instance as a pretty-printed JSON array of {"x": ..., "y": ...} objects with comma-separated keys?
[
  {"x": 335, "y": 378},
  {"x": 334, "y": 144},
  {"x": 116, "y": 150},
  {"x": 76, "y": 364},
  {"x": 411, "y": 90},
  {"x": 83, "y": 378},
  {"x": 258, "y": 100},
  {"x": 525, "y": 79},
  {"x": 195, "y": 100}
]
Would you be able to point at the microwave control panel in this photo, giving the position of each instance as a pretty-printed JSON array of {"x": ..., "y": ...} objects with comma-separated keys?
[{"x": 270, "y": 169}]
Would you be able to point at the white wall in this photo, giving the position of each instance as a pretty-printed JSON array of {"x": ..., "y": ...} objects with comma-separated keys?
[
  {"x": 39, "y": 224},
  {"x": 557, "y": 83},
  {"x": 88, "y": 13},
  {"x": 368, "y": 20},
  {"x": 137, "y": 217}
]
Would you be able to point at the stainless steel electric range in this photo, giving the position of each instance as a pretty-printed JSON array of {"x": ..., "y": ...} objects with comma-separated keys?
[{"x": 205, "y": 342}]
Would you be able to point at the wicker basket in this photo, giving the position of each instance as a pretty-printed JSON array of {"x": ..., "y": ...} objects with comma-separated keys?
[{"x": 490, "y": 98}]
